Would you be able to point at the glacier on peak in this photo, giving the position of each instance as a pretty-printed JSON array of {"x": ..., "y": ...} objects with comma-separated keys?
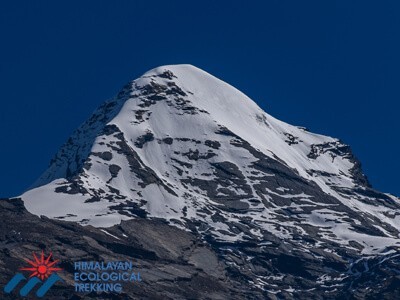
[{"x": 179, "y": 144}]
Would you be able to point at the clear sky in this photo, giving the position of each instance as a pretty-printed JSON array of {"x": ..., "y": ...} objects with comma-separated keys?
[{"x": 331, "y": 66}]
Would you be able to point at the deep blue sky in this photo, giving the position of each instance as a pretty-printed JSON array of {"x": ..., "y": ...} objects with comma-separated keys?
[{"x": 332, "y": 66}]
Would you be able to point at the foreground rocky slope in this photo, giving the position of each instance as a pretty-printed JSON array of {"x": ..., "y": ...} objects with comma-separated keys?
[{"x": 176, "y": 264}]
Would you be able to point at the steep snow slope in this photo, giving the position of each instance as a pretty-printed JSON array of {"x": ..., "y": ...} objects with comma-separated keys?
[{"x": 182, "y": 145}]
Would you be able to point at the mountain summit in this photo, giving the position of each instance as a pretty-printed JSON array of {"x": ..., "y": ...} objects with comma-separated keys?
[{"x": 180, "y": 145}]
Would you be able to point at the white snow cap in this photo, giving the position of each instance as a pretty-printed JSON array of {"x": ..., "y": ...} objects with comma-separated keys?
[{"x": 155, "y": 145}]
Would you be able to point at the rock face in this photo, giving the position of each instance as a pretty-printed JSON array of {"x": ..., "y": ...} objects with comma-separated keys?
[{"x": 255, "y": 207}]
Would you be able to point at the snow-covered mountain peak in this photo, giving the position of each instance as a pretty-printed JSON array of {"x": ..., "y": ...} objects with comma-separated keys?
[{"x": 181, "y": 145}]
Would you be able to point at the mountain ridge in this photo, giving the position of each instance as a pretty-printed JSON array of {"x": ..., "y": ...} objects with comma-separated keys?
[
  {"x": 182, "y": 146},
  {"x": 199, "y": 109}
]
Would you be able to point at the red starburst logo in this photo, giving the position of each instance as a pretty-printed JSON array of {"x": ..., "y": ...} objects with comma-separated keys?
[{"x": 42, "y": 267}]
